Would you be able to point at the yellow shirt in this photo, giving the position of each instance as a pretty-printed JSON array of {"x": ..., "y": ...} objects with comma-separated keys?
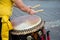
[{"x": 6, "y": 7}]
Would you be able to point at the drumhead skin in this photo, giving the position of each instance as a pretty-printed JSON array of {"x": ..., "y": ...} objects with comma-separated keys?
[{"x": 26, "y": 24}]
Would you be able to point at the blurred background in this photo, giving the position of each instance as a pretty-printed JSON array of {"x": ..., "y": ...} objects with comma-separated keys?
[{"x": 51, "y": 15}]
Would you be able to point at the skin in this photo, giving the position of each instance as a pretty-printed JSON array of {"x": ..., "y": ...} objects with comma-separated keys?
[{"x": 19, "y": 4}]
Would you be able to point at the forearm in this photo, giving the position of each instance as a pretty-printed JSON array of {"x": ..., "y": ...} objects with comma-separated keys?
[
  {"x": 22, "y": 6},
  {"x": 25, "y": 9}
]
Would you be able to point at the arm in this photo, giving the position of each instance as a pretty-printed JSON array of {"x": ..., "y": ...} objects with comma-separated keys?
[{"x": 23, "y": 7}]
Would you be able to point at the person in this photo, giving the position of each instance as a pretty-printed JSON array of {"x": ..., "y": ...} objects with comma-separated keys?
[{"x": 6, "y": 12}]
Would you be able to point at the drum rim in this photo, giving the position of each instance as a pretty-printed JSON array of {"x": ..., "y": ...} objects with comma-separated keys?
[{"x": 39, "y": 26}]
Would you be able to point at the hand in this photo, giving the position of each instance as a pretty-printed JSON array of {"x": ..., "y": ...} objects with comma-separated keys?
[{"x": 32, "y": 12}]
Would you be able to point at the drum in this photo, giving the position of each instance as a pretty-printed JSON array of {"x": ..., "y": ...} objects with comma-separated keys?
[{"x": 28, "y": 27}]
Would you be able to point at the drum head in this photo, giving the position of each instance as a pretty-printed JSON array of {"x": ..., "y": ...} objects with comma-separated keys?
[{"x": 26, "y": 23}]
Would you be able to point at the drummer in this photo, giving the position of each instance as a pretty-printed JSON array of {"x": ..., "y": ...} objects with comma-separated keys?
[{"x": 5, "y": 14}]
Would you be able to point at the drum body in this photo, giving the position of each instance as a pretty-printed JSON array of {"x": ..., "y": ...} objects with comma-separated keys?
[{"x": 28, "y": 28}]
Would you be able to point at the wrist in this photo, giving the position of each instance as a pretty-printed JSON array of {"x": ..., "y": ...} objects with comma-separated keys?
[{"x": 28, "y": 10}]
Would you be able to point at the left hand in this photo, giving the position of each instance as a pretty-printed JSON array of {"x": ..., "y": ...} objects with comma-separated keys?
[{"x": 32, "y": 12}]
